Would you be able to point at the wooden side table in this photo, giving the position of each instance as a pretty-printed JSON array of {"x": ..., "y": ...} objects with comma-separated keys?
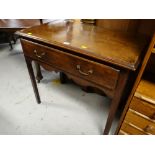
[
  {"x": 92, "y": 55},
  {"x": 9, "y": 26}
]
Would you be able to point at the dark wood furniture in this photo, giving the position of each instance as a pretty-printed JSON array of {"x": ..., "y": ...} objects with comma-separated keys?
[
  {"x": 138, "y": 117},
  {"x": 92, "y": 55},
  {"x": 9, "y": 26}
]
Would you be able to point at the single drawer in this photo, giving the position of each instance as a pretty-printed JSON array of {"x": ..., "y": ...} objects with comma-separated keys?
[
  {"x": 143, "y": 107},
  {"x": 145, "y": 125},
  {"x": 100, "y": 74}
]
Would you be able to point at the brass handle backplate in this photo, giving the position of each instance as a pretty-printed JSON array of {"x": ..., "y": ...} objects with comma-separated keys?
[
  {"x": 83, "y": 73},
  {"x": 39, "y": 55},
  {"x": 153, "y": 116},
  {"x": 149, "y": 128}
]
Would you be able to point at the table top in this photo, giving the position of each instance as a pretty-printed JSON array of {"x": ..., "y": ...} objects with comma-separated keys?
[
  {"x": 18, "y": 23},
  {"x": 119, "y": 48}
]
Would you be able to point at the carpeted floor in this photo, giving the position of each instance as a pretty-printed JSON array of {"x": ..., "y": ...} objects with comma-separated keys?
[{"x": 65, "y": 109}]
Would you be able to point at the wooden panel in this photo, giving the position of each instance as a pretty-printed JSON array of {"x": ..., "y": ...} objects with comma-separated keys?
[
  {"x": 131, "y": 130},
  {"x": 150, "y": 68},
  {"x": 142, "y": 123},
  {"x": 143, "y": 107},
  {"x": 147, "y": 26},
  {"x": 89, "y": 70},
  {"x": 117, "y": 48},
  {"x": 129, "y": 25},
  {"x": 114, "y": 24},
  {"x": 146, "y": 91},
  {"x": 92, "y": 86}
]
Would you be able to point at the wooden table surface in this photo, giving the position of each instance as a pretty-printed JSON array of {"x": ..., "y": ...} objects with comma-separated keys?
[
  {"x": 119, "y": 48},
  {"x": 16, "y": 24},
  {"x": 9, "y": 26}
]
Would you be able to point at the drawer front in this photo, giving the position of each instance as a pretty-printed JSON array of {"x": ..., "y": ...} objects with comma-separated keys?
[
  {"x": 144, "y": 124},
  {"x": 131, "y": 130},
  {"x": 98, "y": 73},
  {"x": 143, "y": 107},
  {"x": 121, "y": 132}
]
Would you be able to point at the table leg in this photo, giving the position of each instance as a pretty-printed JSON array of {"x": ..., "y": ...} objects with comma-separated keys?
[
  {"x": 63, "y": 78},
  {"x": 10, "y": 45},
  {"x": 38, "y": 71},
  {"x": 14, "y": 38},
  {"x": 9, "y": 40},
  {"x": 32, "y": 77},
  {"x": 116, "y": 100}
]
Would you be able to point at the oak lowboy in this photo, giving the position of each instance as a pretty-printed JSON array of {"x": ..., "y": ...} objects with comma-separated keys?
[{"x": 92, "y": 55}]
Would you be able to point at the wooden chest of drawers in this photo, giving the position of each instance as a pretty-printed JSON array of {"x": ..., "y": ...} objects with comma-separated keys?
[{"x": 140, "y": 117}]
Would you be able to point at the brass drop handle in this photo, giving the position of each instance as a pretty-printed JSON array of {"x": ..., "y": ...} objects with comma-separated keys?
[
  {"x": 149, "y": 128},
  {"x": 39, "y": 55},
  {"x": 83, "y": 73}
]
